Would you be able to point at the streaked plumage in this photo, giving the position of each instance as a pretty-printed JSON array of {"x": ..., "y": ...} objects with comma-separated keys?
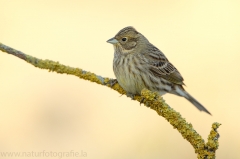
[{"x": 138, "y": 64}]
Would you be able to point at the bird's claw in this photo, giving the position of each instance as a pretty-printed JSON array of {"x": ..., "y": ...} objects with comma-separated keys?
[
  {"x": 112, "y": 82},
  {"x": 130, "y": 95},
  {"x": 142, "y": 100}
]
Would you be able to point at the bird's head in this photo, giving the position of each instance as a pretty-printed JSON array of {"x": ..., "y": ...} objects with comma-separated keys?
[{"x": 128, "y": 40}]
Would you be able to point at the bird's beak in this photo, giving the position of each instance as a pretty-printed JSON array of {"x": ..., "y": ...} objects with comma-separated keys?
[{"x": 112, "y": 41}]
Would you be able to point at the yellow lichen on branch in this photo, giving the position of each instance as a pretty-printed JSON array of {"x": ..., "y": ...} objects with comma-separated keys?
[
  {"x": 53, "y": 66},
  {"x": 155, "y": 102},
  {"x": 148, "y": 98}
]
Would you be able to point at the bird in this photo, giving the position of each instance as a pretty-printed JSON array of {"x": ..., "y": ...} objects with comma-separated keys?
[{"x": 138, "y": 64}]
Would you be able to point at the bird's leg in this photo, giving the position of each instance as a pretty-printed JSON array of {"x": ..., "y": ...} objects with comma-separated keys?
[
  {"x": 130, "y": 95},
  {"x": 112, "y": 82},
  {"x": 142, "y": 100}
]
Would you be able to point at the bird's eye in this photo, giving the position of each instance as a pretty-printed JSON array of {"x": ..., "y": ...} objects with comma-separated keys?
[{"x": 124, "y": 39}]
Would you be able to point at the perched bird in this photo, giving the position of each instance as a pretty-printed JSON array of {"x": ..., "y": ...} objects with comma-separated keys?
[{"x": 138, "y": 64}]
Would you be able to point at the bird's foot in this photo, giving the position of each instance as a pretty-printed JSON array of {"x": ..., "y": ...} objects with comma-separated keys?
[
  {"x": 142, "y": 100},
  {"x": 130, "y": 95},
  {"x": 112, "y": 82}
]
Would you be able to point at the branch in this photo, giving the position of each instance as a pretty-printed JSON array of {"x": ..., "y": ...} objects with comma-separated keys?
[{"x": 148, "y": 98}]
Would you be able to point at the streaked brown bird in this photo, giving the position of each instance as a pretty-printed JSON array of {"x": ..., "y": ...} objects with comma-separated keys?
[{"x": 138, "y": 64}]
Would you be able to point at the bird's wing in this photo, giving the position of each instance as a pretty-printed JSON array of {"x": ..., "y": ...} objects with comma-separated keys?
[{"x": 161, "y": 67}]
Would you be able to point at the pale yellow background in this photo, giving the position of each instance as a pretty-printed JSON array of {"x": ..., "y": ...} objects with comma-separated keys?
[{"x": 53, "y": 112}]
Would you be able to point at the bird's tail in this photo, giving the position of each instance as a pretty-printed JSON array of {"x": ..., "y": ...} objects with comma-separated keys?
[{"x": 195, "y": 102}]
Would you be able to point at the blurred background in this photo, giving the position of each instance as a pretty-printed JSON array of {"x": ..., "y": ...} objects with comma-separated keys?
[{"x": 42, "y": 111}]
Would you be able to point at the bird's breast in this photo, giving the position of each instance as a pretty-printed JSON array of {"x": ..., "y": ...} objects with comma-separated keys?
[{"x": 129, "y": 74}]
